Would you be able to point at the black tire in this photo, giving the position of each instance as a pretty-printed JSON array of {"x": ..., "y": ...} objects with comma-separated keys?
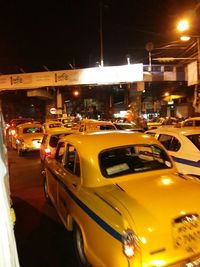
[
  {"x": 46, "y": 191},
  {"x": 79, "y": 247}
]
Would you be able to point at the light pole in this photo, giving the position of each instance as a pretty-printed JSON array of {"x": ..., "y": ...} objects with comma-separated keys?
[
  {"x": 101, "y": 34},
  {"x": 183, "y": 27}
]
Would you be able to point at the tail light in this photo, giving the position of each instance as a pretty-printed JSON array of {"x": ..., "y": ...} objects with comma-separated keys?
[
  {"x": 130, "y": 243},
  {"x": 47, "y": 152}
]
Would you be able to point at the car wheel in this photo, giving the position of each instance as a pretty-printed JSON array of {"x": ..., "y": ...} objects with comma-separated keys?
[
  {"x": 79, "y": 247},
  {"x": 46, "y": 194}
]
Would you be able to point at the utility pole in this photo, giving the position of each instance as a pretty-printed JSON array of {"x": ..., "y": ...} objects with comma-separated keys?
[{"x": 101, "y": 34}]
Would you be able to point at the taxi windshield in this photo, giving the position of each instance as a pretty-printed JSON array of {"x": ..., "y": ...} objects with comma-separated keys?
[{"x": 133, "y": 159}]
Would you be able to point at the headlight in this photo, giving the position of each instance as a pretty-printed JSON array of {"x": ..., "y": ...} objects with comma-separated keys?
[
  {"x": 130, "y": 243},
  {"x": 13, "y": 132}
]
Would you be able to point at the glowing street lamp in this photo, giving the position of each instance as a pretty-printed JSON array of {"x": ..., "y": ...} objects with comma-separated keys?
[{"x": 183, "y": 25}]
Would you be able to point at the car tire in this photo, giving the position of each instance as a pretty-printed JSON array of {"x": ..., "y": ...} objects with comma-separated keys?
[
  {"x": 79, "y": 247},
  {"x": 46, "y": 191}
]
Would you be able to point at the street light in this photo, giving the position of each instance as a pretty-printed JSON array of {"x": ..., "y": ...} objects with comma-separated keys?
[
  {"x": 183, "y": 27},
  {"x": 101, "y": 34}
]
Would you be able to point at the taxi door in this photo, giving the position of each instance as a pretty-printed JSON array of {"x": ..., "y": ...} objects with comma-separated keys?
[
  {"x": 69, "y": 183},
  {"x": 54, "y": 173}
]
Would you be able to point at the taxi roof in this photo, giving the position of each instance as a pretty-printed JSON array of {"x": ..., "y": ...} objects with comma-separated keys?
[
  {"x": 97, "y": 141},
  {"x": 59, "y": 130},
  {"x": 92, "y": 121},
  {"x": 89, "y": 145},
  {"x": 29, "y": 124}
]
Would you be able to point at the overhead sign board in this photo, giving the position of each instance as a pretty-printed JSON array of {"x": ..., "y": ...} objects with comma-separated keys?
[{"x": 89, "y": 76}]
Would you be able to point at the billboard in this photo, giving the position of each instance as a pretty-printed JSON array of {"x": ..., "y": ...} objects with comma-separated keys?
[
  {"x": 89, "y": 76},
  {"x": 192, "y": 71}
]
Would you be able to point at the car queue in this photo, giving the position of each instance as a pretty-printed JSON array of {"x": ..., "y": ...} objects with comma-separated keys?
[{"x": 116, "y": 189}]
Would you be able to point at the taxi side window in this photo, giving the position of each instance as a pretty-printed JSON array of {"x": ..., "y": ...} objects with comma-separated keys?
[
  {"x": 60, "y": 151},
  {"x": 197, "y": 123},
  {"x": 175, "y": 145},
  {"x": 171, "y": 143},
  {"x": 72, "y": 163},
  {"x": 81, "y": 129},
  {"x": 53, "y": 140},
  {"x": 165, "y": 140},
  {"x": 188, "y": 123}
]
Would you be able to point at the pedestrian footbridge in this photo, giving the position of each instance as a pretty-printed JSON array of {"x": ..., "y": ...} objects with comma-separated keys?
[{"x": 107, "y": 75}]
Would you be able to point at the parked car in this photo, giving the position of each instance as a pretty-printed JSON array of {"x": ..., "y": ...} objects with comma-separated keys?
[
  {"x": 11, "y": 129},
  {"x": 52, "y": 124},
  {"x": 155, "y": 123},
  {"x": 183, "y": 144},
  {"x": 168, "y": 121},
  {"x": 121, "y": 195},
  {"x": 49, "y": 142},
  {"x": 195, "y": 121},
  {"x": 126, "y": 126},
  {"x": 86, "y": 125},
  {"x": 28, "y": 137}
]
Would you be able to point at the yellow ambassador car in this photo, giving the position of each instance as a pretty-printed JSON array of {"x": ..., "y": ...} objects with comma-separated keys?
[
  {"x": 121, "y": 195},
  {"x": 28, "y": 137}
]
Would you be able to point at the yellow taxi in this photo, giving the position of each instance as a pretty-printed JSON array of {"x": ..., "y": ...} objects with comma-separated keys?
[
  {"x": 49, "y": 125},
  {"x": 191, "y": 122},
  {"x": 155, "y": 123},
  {"x": 28, "y": 137},
  {"x": 88, "y": 125},
  {"x": 11, "y": 129},
  {"x": 120, "y": 194},
  {"x": 50, "y": 140}
]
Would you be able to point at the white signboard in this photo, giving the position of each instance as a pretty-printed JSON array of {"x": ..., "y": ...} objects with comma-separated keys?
[
  {"x": 89, "y": 76},
  {"x": 192, "y": 69}
]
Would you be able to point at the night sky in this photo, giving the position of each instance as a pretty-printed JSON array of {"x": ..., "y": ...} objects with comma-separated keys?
[{"x": 63, "y": 33}]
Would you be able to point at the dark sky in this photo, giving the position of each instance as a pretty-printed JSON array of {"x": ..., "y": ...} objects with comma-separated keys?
[{"x": 63, "y": 32}]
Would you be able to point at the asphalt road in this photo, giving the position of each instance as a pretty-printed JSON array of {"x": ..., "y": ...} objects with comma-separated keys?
[{"x": 41, "y": 238}]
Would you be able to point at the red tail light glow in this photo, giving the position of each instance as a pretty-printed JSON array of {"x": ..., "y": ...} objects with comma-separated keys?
[{"x": 47, "y": 152}]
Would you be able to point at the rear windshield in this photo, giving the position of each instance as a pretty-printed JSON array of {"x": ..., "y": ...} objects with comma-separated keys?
[
  {"x": 133, "y": 159},
  {"x": 195, "y": 139},
  {"x": 32, "y": 130}
]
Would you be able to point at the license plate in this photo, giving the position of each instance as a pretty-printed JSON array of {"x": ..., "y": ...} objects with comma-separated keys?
[{"x": 186, "y": 234}]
